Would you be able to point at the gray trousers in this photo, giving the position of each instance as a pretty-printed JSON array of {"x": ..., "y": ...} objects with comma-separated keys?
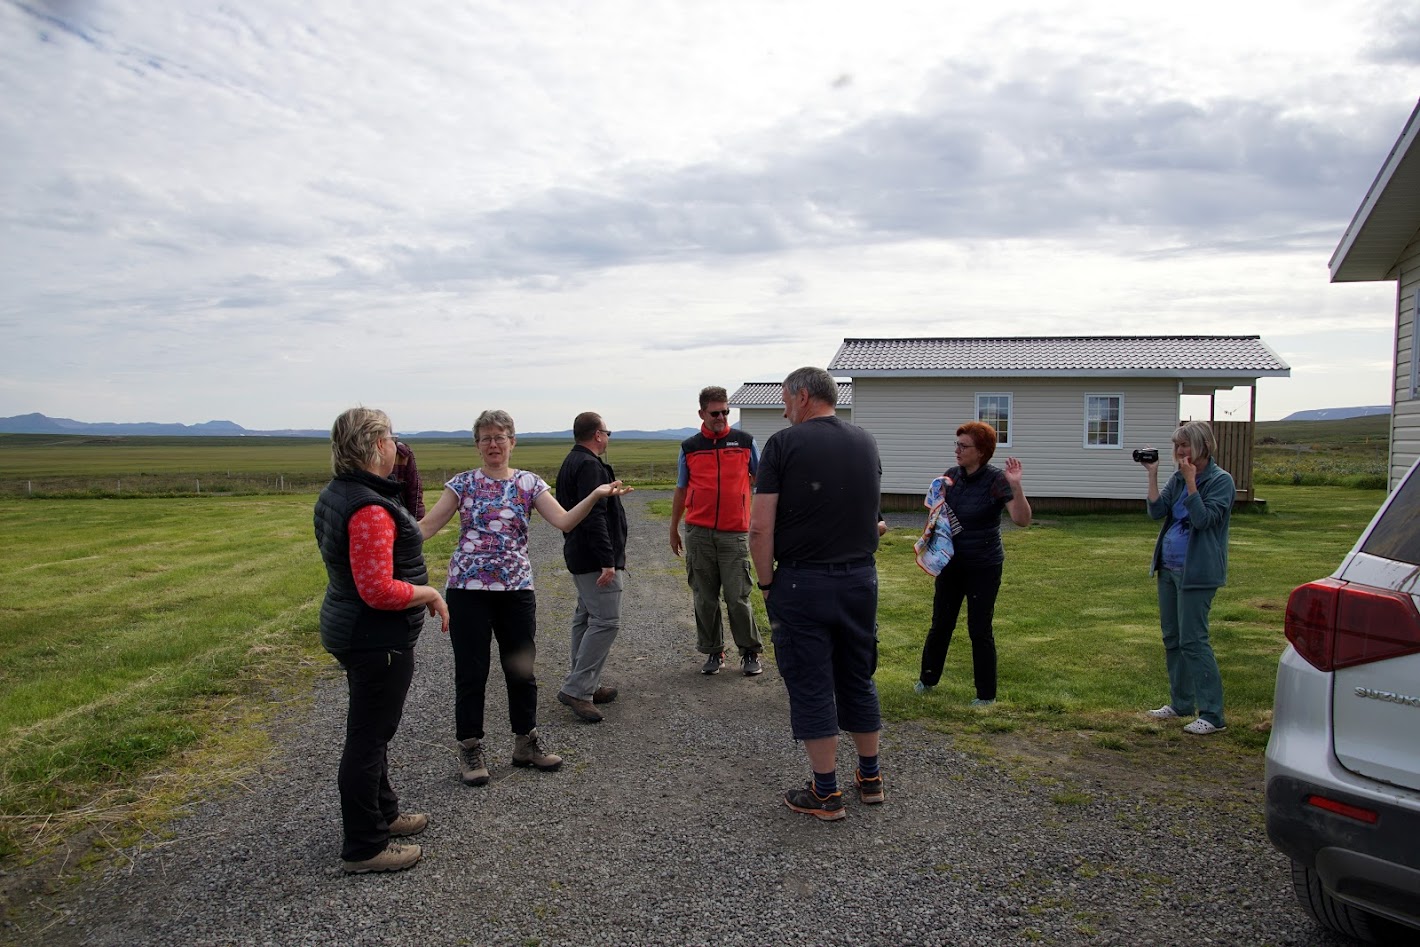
[
  {"x": 717, "y": 561},
  {"x": 594, "y": 626}
]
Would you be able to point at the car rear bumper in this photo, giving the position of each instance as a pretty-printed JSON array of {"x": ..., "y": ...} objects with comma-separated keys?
[{"x": 1374, "y": 866}]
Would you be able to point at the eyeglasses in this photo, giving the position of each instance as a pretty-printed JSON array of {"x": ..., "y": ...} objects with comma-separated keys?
[
  {"x": 965, "y": 445},
  {"x": 719, "y": 414},
  {"x": 603, "y": 430},
  {"x": 488, "y": 440}
]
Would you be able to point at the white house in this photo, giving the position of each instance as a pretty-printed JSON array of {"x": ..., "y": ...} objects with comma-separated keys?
[
  {"x": 1383, "y": 243},
  {"x": 762, "y": 407},
  {"x": 1072, "y": 409}
]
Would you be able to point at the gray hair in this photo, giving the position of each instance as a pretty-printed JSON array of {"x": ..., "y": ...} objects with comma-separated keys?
[
  {"x": 494, "y": 419},
  {"x": 818, "y": 383},
  {"x": 355, "y": 439},
  {"x": 1198, "y": 437}
]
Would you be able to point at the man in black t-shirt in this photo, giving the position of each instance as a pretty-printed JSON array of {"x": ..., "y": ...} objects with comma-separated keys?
[{"x": 813, "y": 533}]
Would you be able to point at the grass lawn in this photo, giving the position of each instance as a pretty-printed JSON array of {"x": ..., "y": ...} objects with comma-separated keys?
[{"x": 133, "y": 633}]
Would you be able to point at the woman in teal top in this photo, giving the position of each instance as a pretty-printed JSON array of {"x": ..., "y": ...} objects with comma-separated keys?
[{"x": 1191, "y": 563}]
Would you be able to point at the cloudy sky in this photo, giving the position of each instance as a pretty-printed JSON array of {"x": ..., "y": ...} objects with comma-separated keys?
[{"x": 267, "y": 211}]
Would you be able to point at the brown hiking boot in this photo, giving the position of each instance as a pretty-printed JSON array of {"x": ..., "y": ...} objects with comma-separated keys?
[
  {"x": 580, "y": 707},
  {"x": 471, "y": 765},
  {"x": 527, "y": 751},
  {"x": 409, "y": 823},
  {"x": 604, "y": 694},
  {"x": 395, "y": 857}
]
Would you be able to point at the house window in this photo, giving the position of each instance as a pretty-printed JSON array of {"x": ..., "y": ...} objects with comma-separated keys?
[
  {"x": 1102, "y": 420},
  {"x": 995, "y": 409},
  {"x": 1415, "y": 345}
]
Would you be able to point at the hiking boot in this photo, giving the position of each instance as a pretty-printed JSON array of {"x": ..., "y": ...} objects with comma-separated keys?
[
  {"x": 604, "y": 694},
  {"x": 580, "y": 707},
  {"x": 395, "y": 857},
  {"x": 409, "y": 823},
  {"x": 870, "y": 789},
  {"x": 713, "y": 663},
  {"x": 751, "y": 664},
  {"x": 471, "y": 766},
  {"x": 527, "y": 751},
  {"x": 809, "y": 802}
]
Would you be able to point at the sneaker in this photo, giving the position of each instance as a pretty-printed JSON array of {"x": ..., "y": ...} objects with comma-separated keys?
[
  {"x": 1166, "y": 712},
  {"x": 409, "y": 823},
  {"x": 870, "y": 790},
  {"x": 1201, "y": 728},
  {"x": 920, "y": 688},
  {"x": 982, "y": 702},
  {"x": 713, "y": 663},
  {"x": 604, "y": 694},
  {"x": 811, "y": 803},
  {"x": 472, "y": 769},
  {"x": 395, "y": 857},
  {"x": 751, "y": 664},
  {"x": 527, "y": 751},
  {"x": 580, "y": 707}
]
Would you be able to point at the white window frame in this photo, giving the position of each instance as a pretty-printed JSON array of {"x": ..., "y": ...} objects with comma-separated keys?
[
  {"x": 1415, "y": 344},
  {"x": 1010, "y": 414},
  {"x": 1085, "y": 433}
]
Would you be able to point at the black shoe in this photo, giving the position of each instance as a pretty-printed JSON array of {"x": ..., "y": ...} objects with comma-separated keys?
[
  {"x": 809, "y": 802},
  {"x": 713, "y": 663},
  {"x": 870, "y": 790},
  {"x": 751, "y": 664}
]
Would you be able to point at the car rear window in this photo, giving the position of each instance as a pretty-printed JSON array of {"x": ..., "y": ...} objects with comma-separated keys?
[{"x": 1397, "y": 533}]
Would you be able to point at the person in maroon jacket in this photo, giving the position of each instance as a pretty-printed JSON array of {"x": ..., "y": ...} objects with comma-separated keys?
[{"x": 714, "y": 480}]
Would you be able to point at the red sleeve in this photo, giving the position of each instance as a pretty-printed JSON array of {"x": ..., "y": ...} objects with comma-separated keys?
[{"x": 372, "y": 560}]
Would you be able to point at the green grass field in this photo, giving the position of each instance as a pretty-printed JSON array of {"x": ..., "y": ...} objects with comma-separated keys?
[{"x": 54, "y": 466}]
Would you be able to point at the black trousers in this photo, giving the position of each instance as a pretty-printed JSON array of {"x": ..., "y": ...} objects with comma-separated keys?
[
  {"x": 378, "y": 681},
  {"x": 977, "y": 585},
  {"x": 476, "y": 617}
]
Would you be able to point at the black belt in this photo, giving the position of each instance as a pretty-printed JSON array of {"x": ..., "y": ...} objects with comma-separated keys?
[{"x": 827, "y": 566}]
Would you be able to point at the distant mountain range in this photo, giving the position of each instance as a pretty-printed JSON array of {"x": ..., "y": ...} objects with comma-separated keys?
[
  {"x": 40, "y": 424},
  {"x": 1337, "y": 414}
]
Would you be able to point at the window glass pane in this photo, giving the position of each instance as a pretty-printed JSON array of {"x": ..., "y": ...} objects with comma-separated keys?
[
  {"x": 995, "y": 410},
  {"x": 1102, "y": 420}
]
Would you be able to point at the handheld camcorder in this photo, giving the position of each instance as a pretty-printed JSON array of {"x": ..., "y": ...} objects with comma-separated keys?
[{"x": 1146, "y": 456}]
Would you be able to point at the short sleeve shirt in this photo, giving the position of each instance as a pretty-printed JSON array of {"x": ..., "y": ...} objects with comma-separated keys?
[{"x": 492, "y": 550}]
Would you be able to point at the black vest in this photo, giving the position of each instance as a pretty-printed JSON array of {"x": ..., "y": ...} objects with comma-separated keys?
[{"x": 346, "y": 622}]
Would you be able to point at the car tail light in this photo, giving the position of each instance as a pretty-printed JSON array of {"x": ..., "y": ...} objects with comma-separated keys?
[{"x": 1335, "y": 624}]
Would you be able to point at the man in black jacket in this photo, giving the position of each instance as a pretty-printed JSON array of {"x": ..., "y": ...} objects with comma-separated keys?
[{"x": 595, "y": 553}]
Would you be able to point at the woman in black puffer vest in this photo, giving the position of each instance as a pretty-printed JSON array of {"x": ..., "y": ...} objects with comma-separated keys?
[{"x": 370, "y": 619}]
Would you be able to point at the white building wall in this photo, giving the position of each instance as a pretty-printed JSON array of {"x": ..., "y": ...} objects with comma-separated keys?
[
  {"x": 915, "y": 422},
  {"x": 1405, "y": 403}
]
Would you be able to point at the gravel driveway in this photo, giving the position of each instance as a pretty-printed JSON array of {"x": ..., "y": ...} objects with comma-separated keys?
[{"x": 664, "y": 827}]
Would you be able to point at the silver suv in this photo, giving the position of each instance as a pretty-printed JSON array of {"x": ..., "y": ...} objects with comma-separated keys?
[{"x": 1343, "y": 760}]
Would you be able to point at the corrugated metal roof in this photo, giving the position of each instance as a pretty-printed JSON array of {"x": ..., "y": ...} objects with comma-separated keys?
[
  {"x": 1177, "y": 356},
  {"x": 1389, "y": 215},
  {"x": 766, "y": 394}
]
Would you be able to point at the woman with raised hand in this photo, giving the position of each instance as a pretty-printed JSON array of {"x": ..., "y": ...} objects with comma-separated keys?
[
  {"x": 977, "y": 492},
  {"x": 490, "y": 589},
  {"x": 370, "y": 619}
]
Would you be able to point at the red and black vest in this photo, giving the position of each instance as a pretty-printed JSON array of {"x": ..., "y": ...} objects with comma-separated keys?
[{"x": 718, "y": 493}]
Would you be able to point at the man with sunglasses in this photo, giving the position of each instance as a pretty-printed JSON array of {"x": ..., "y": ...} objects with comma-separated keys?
[{"x": 714, "y": 481}]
